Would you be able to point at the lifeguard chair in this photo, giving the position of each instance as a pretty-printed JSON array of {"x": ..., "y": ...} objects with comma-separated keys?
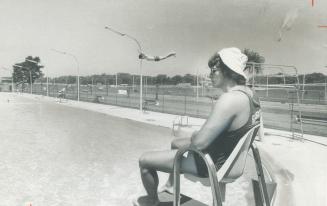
[{"x": 231, "y": 170}]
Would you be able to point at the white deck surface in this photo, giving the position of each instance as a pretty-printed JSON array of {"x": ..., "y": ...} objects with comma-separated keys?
[{"x": 55, "y": 154}]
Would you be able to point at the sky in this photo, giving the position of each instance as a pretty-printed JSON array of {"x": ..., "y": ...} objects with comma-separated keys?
[{"x": 284, "y": 32}]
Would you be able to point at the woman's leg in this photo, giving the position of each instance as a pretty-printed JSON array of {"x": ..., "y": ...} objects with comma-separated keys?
[
  {"x": 175, "y": 144},
  {"x": 180, "y": 142},
  {"x": 151, "y": 162}
]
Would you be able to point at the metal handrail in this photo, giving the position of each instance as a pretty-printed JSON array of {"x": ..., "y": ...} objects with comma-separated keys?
[{"x": 216, "y": 194}]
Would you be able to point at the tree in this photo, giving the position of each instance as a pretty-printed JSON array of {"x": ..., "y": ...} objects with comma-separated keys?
[
  {"x": 176, "y": 79},
  {"x": 124, "y": 78},
  {"x": 314, "y": 78},
  {"x": 161, "y": 79},
  {"x": 188, "y": 78},
  {"x": 254, "y": 57},
  {"x": 27, "y": 71}
]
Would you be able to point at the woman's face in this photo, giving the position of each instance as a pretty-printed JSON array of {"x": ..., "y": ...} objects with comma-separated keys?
[{"x": 216, "y": 76}]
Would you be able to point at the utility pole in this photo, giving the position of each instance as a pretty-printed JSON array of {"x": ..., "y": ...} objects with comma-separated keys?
[
  {"x": 141, "y": 57},
  {"x": 116, "y": 81},
  {"x": 31, "y": 82}
]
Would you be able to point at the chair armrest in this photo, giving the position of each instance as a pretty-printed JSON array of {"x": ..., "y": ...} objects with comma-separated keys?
[{"x": 211, "y": 171}]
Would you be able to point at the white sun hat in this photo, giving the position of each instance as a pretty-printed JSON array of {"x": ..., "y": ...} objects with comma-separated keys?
[{"x": 234, "y": 59}]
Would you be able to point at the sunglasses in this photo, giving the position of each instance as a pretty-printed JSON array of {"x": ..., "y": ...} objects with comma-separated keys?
[{"x": 214, "y": 69}]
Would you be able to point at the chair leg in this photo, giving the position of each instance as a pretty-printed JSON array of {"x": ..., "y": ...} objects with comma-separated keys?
[
  {"x": 222, "y": 186},
  {"x": 260, "y": 173}
]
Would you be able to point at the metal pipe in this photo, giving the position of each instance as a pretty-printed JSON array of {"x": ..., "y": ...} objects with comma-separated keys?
[
  {"x": 31, "y": 82},
  {"x": 140, "y": 51}
]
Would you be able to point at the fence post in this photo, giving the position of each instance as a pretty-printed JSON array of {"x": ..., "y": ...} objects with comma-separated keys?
[
  {"x": 163, "y": 103},
  {"x": 184, "y": 104},
  {"x": 129, "y": 100},
  {"x": 197, "y": 107},
  {"x": 267, "y": 94},
  {"x": 107, "y": 87}
]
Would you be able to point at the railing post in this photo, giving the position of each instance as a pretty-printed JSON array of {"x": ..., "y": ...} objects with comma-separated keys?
[
  {"x": 184, "y": 104},
  {"x": 163, "y": 103},
  {"x": 107, "y": 87},
  {"x": 216, "y": 195},
  {"x": 261, "y": 177}
]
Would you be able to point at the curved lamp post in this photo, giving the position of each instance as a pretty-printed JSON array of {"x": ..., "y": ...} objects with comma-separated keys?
[
  {"x": 141, "y": 57},
  {"x": 140, "y": 51},
  {"x": 77, "y": 63}
]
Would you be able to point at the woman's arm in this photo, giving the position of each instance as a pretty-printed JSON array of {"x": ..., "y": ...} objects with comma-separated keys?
[{"x": 225, "y": 110}]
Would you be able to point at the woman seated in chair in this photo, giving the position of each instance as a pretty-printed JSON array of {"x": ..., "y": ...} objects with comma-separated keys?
[{"x": 235, "y": 112}]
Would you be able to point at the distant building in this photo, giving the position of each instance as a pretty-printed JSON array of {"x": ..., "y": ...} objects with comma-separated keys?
[
  {"x": 6, "y": 80},
  {"x": 5, "y": 84}
]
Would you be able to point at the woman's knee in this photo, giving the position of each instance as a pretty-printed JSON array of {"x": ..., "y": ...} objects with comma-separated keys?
[
  {"x": 174, "y": 144},
  {"x": 144, "y": 171},
  {"x": 143, "y": 160},
  {"x": 147, "y": 160},
  {"x": 178, "y": 143}
]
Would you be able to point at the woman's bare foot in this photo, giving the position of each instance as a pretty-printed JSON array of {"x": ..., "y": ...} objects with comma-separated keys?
[{"x": 145, "y": 201}]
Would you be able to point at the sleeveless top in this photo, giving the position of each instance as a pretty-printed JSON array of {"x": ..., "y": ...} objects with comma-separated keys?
[{"x": 220, "y": 149}]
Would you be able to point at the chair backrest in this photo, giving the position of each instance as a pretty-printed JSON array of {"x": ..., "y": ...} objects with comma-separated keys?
[
  {"x": 229, "y": 172},
  {"x": 235, "y": 163}
]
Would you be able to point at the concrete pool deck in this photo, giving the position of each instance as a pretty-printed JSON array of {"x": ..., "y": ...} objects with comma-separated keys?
[{"x": 298, "y": 167}]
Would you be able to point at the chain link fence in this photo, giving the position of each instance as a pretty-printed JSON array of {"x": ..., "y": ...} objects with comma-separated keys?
[{"x": 199, "y": 102}]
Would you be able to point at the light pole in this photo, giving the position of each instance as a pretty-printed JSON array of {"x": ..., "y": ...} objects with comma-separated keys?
[
  {"x": 197, "y": 85},
  {"x": 303, "y": 85},
  {"x": 325, "y": 85},
  {"x": 12, "y": 78},
  {"x": 141, "y": 57},
  {"x": 140, "y": 51},
  {"x": 77, "y": 63},
  {"x": 116, "y": 80}
]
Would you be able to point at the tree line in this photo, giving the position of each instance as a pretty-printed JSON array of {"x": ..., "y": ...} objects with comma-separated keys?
[
  {"x": 29, "y": 71},
  {"x": 279, "y": 78},
  {"x": 163, "y": 79},
  {"x": 126, "y": 78}
]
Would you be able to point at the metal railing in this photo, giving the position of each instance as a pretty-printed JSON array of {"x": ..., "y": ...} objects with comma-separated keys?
[{"x": 183, "y": 101}]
